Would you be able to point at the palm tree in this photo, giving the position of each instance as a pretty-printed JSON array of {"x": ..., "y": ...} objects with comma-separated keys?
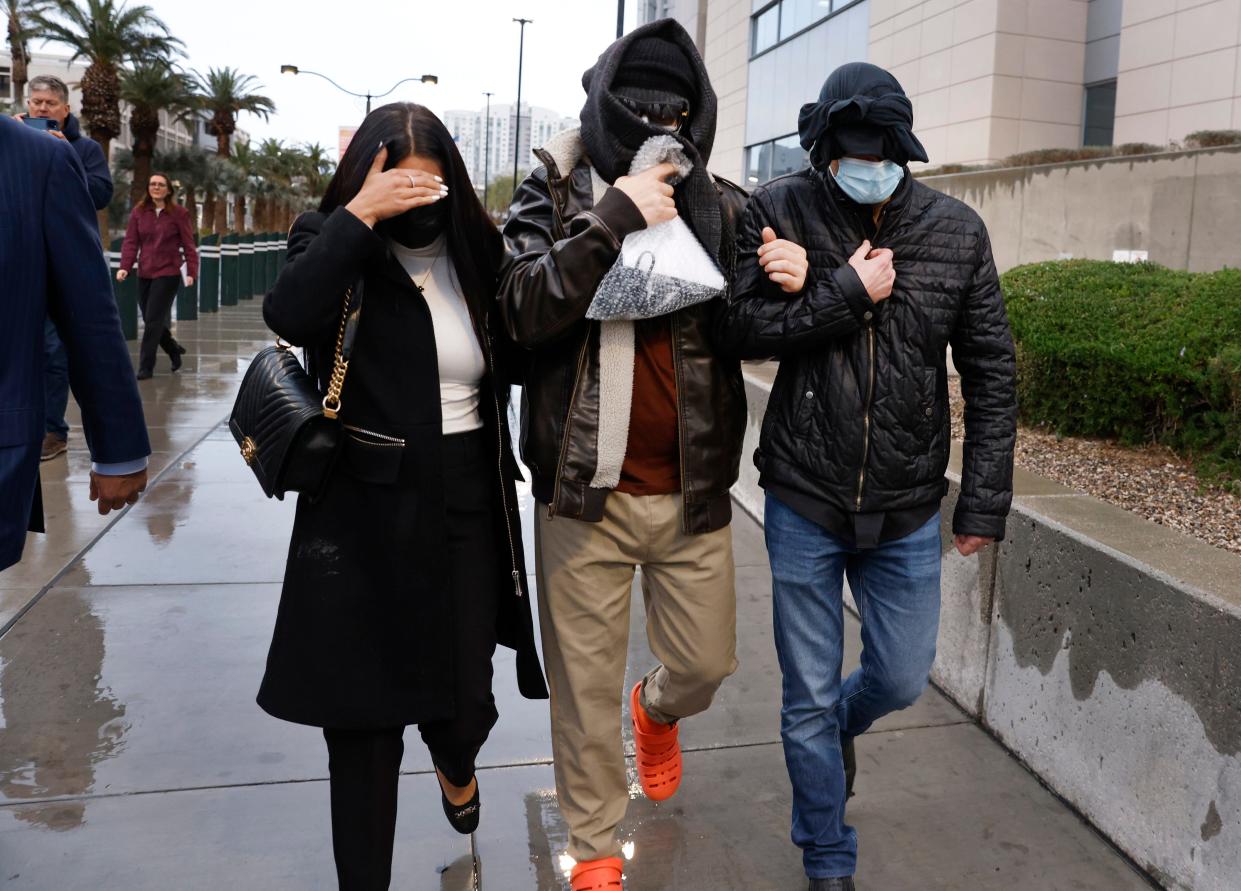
[
  {"x": 21, "y": 15},
  {"x": 151, "y": 87},
  {"x": 317, "y": 167},
  {"x": 226, "y": 92},
  {"x": 247, "y": 161},
  {"x": 108, "y": 34},
  {"x": 228, "y": 179}
]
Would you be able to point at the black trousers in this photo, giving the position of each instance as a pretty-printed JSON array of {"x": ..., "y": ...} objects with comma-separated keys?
[
  {"x": 364, "y": 765},
  {"x": 155, "y": 297}
]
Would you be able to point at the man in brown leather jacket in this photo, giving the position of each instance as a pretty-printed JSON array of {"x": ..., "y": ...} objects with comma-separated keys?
[{"x": 668, "y": 510}]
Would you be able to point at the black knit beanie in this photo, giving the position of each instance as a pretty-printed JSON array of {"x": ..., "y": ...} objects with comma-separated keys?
[{"x": 655, "y": 69}]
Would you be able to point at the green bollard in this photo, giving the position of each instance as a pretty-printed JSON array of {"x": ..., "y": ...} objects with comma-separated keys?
[
  {"x": 187, "y": 302},
  {"x": 245, "y": 270},
  {"x": 260, "y": 264},
  {"x": 209, "y": 274},
  {"x": 125, "y": 293},
  {"x": 273, "y": 245},
  {"x": 228, "y": 270}
]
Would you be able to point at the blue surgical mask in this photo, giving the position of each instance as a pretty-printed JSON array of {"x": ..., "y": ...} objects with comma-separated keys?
[{"x": 868, "y": 182}]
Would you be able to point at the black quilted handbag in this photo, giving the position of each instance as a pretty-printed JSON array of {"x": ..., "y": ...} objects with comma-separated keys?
[{"x": 288, "y": 433}]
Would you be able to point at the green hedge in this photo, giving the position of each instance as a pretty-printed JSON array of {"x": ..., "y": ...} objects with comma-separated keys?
[{"x": 1134, "y": 352}]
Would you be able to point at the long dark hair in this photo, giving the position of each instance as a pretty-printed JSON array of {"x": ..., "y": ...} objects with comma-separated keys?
[
  {"x": 170, "y": 200},
  {"x": 405, "y": 129}
]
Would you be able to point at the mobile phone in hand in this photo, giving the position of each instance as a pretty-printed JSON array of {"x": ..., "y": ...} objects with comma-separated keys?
[{"x": 41, "y": 123}]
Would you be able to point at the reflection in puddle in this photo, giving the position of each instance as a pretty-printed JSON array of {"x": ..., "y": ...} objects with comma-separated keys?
[
  {"x": 659, "y": 835},
  {"x": 57, "y": 720},
  {"x": 174, "y": 507}
]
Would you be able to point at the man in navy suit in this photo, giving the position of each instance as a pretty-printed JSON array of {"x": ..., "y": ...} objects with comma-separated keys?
[
  {"x": 49, "y": 99},
  {"x": 52, "y": 263}
]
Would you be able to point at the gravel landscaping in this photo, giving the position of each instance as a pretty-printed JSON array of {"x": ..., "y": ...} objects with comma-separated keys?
[{"x": 1150, "y": 481}]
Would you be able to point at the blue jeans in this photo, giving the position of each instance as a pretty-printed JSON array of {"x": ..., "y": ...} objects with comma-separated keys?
[
  {"x": 55, "y": 381},
  {"x": 896, "y": 587}
]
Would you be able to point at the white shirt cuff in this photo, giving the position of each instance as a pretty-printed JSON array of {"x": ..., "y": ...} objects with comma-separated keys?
[{"x": 122, "y": 469}]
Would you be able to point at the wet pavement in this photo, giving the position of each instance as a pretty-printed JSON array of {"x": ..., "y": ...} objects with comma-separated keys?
[{"x": 133, "y": 756}]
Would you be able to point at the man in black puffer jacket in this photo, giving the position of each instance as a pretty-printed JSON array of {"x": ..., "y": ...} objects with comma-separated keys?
[{"x": 858, "y": 278}]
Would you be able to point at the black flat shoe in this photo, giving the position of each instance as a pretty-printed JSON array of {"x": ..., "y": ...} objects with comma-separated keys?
[
  {"x": 176, "y": 358},
  {"x": 462, "y": 817},
  {"x": 144, "y": 375}
]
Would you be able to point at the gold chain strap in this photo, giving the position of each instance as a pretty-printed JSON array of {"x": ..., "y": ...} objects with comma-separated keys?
[{"x": 331, "y": 402}]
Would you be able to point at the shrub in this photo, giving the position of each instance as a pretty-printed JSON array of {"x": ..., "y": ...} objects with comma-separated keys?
[
  {"x": 1212, "y": 138},
  {"x": 1135, "y": 352}
]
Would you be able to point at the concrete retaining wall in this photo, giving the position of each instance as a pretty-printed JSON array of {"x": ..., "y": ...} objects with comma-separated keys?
[
  {"x": 1183, "y": 208},
  {"x": 1105, "y": 652}
]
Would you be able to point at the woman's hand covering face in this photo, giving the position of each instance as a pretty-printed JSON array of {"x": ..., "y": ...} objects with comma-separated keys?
[{"x": 389, "y": 193}]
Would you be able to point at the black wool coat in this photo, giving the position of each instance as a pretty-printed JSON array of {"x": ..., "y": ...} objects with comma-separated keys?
[{"x": 359, "y": 639}]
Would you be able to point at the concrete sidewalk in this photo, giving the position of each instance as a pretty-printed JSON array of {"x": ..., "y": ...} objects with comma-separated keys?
[{"x": 132, "y": 755}]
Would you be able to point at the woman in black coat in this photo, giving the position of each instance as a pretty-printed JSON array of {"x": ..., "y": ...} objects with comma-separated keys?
[{"x": 408, "y": 570}]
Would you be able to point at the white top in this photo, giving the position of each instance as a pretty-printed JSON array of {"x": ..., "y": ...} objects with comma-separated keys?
[{"x": 461, "y": 362}]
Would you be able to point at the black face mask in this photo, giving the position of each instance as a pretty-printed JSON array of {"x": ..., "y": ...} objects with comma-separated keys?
[{"x": 418, "y": 227}]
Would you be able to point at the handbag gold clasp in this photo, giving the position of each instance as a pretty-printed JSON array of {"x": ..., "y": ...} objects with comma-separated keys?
[{"x": 249, "y": 450}]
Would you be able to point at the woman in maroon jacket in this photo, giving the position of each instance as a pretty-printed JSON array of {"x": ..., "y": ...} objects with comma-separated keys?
[{"x": 159, "y": 238}]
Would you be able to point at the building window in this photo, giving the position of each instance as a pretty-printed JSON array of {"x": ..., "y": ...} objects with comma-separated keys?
[
  {"x": 6, "y": 84},
  {"x": 767, "y": 160},
  {"x": 766, "y": 29},
  {"x": 784, "y": 19},
  {"x": 1100, "y": 114}
]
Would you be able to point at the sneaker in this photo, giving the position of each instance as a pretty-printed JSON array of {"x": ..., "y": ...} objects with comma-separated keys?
[
  {"x": 841, "y": 884},
  {"x": 53, "y": 446},
  {"x": 657, "y": 751}
]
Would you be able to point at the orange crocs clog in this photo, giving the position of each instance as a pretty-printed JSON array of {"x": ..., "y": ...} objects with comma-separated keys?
[
  {"x": 597, "y": 875},
  {"x": 658, "y": 751}
]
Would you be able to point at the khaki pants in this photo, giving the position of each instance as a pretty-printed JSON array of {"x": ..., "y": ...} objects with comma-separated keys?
[{"x": 585, "y": 575}]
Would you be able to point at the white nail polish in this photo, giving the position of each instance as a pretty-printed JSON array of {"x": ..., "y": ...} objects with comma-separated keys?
[{"x": 438, "y": 179}]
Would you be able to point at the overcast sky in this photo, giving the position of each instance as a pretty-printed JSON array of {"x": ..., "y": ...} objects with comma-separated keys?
[{"x": 371, "y": 44}]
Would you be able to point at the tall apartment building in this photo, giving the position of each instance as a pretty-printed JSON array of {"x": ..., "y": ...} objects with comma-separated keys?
[
  {"x": 988, "y": 78},
  {"x": 469, "y": 129}
]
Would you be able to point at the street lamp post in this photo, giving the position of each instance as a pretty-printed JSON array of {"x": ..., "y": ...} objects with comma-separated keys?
[
  {"x": 487, "y": 153},
  {"x": 521, "y": 51},
  {"x": 620, "y": 19},
  {"x": 425, "y": 78}
]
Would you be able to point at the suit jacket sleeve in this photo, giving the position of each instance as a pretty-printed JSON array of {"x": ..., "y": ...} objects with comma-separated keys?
[
  {"x": 80, "y": 302},
  {"x": 98, "y": 179},
  {"x": 547, "y": 282},
  {"x": 761, "y": 320},
  {"x": 982, "y": 350}
]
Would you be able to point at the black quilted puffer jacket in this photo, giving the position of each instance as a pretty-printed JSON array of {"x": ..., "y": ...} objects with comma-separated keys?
[{"x": 858, "y": 416}]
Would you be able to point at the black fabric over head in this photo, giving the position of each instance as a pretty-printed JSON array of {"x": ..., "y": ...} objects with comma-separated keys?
[
  {"x": 664, "y": 55},
  {"x": 658, "y": 64},
  {"x": 862, "y": 110}
]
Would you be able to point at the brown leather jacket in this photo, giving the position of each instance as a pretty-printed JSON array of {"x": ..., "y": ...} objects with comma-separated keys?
[{"x": 561, "y": 243}]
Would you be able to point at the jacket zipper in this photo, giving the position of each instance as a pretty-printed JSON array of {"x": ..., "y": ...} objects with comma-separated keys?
[
  {"x": 495, "y": 402},
  {"x": 870, "y": 386},
  {"x": 676, "y": 374},
  {"x": 568, "y": 425}
]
